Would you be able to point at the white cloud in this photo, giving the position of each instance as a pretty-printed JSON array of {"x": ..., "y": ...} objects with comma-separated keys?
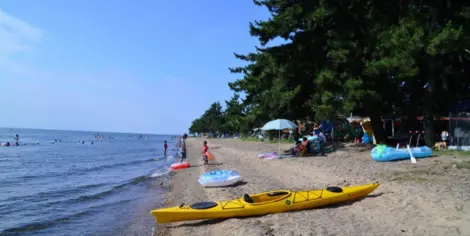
[{"x": 17, "y": 35}]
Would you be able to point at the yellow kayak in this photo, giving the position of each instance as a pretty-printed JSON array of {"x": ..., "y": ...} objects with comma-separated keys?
[{"x": 263, "y": 203}]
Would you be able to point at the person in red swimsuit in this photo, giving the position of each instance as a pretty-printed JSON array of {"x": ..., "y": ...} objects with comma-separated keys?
[{"x": 205, "y": 148}]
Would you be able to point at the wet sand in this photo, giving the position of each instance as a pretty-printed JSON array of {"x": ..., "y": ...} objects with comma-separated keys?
[{"x": 428, "y": 198}]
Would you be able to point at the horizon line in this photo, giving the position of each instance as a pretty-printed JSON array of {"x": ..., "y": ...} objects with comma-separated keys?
[{"x": 71, "y": 130}]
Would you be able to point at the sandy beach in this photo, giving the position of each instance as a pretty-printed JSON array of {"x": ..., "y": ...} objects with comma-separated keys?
[{"x": 428, "y": 198}]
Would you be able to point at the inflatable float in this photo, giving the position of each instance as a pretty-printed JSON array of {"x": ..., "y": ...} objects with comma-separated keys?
[
  {"x": 182, "y": 165},
  {"x": 383, "y": 153},
  {"x": 268, "y": 155},
  {"x": 309, "y": 138},
  {"x": 263, "y": 203},
  {"x": 219, "y": 178},
  {"x": 210, "y": 156}
]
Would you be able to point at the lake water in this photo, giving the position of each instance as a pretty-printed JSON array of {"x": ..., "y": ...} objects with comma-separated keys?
[{"x": 75, "y": 183}]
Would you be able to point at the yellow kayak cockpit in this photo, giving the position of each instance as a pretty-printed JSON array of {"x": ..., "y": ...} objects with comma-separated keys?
[
  {"x": 255, "y": 199},
  {"x": 267, "y": 197}
]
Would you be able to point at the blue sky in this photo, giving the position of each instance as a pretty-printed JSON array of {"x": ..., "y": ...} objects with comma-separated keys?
[{"x": 114, "y": 65}]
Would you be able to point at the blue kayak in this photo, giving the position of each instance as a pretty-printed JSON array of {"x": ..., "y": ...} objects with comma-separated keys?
[
  {"x": 382, "y": 153},
  {"x": 219, "y": 178}
]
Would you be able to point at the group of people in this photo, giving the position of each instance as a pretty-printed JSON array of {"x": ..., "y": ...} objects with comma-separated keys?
[
  {"x": 304, "y": 146},
  {"x": 17, "y": 139},
  {"x": 183, "y": 149}
]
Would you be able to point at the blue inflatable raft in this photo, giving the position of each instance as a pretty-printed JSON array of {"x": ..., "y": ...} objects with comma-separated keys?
[
  {"x": 383, "y": 153},
  {"x": 309, "y": 138},
  {"x": 219, "y": 178}
]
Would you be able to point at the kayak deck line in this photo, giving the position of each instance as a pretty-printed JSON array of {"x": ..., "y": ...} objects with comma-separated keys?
[{"x": 224, "y": 205}]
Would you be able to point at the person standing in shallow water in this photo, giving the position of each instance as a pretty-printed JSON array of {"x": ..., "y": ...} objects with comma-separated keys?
[
  {"x": 183, "y": 148},
  {"x": 17, "y": 139},
  {"x": 165, "y": 147}
]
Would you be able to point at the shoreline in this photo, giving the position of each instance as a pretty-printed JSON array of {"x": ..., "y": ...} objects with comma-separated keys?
[
  {"x": 156, "y": 229},
  {"x": 141, "y": 223},
  {"x": 428, "y": 198},
  {"x": 176, "y": 193}
]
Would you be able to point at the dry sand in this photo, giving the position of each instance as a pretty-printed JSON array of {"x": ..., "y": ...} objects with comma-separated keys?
[{"x": 428, "y": 198}]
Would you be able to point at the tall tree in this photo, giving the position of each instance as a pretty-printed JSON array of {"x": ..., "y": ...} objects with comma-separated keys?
[
  {"x": 198, "y": 126},
  {"x": 210, "y": 122},
  {"x": 234, "y": 115},
  {"x": 431, "y": 39},
  {"x": 325, "y": 60},
  {"x": 214, "y": 117},
  {"x": 355, "y": 56},
  {"x": 367, "y": 57}
]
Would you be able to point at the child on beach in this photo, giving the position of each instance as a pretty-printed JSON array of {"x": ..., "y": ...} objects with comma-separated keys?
[
  {"x": 205, "y": 148},
  {"x": 165, "y": 147}
]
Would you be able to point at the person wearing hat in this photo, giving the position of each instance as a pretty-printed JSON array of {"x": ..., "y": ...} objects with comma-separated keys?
[{"x": 183, "y": 147}]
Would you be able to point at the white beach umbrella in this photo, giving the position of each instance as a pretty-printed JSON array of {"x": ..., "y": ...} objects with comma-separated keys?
[{"x": 279, "y": 124}]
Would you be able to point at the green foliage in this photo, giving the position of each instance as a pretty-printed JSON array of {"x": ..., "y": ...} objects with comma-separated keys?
[
  {"x": 367, "y": 57},
  {"x": 210, "y": 121},
  {"x": 234, "y": 117}
]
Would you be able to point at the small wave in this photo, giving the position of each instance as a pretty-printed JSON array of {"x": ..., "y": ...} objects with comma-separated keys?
[
  {"x": 39, "y": 197},
  {"x": 57, "y": 221},
  {"x": 160, "y": 172},
  {"x": 81, "y": 171},
  {"x": 116, "y": 165},
  {"x": 83, "y": 198},
  {"x": 134, "y": 181}
]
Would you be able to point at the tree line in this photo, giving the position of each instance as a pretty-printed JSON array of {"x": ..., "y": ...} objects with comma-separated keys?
[{"x": 366, "y": 57}]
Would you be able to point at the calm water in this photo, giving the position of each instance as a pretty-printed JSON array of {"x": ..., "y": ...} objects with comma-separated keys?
[{"x": 53, "y": 184}]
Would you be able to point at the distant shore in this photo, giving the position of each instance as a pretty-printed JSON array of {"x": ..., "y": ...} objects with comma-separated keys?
[{"x": 429, "y": 198}]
